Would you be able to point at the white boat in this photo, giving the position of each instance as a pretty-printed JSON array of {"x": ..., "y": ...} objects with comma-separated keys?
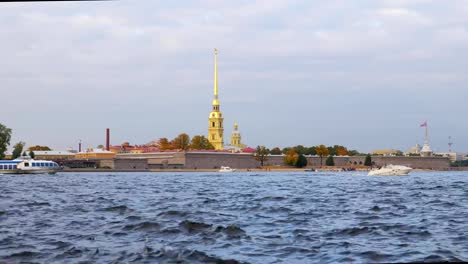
[
  {"x": 28, "y": 166},
  {"x": 391, "y": 170},
  {"x": 226, "y": 169}
]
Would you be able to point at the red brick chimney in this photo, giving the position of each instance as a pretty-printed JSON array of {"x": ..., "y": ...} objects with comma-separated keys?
[{"x": 107, "y": 139}]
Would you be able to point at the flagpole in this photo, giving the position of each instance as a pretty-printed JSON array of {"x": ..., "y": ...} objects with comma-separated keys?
[{"x": 426, "y": 131}]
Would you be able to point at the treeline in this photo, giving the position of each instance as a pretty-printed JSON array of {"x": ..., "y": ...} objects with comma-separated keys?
[
  {"x": 335, "y": 150},
  {"x": 184, "y": 142}
]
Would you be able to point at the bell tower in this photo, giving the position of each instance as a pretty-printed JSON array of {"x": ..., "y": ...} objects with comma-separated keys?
[{"x": 215, "y": 121}]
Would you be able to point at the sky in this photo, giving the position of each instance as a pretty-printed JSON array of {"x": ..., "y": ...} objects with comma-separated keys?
[{"x": 364, "y": 74}]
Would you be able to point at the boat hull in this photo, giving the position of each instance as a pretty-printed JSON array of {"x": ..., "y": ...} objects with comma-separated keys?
[{"x": 28, "y": 171}]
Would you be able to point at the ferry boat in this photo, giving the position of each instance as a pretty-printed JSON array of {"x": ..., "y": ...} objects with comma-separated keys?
[{"x": 28, "y": 166}]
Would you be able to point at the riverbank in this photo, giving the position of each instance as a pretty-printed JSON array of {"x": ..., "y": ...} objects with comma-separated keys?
[{"x": 323, "y": 169}]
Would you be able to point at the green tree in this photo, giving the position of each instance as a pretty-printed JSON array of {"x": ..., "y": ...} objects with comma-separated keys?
[
  {"x": 301, "y": 161},
  {"x": 182, "y": 142},
  {"x": 291, "y": 157},
  {"x": 301, "y": 150},
  {"x": 311, "y": 151},
  {"x": 285, "y": 150},
  {"x": 261, "y": 154},
  {"x": 322, "y": 151},
  {"x": 100, "y": 146},
  {"x": 17, "y": 150},
  {"x": 31, "y": 154},
  {"x": 5, "y": 137},
  {"x": 200, "y": 142},
  {"x": 330, "y": 161},
  {"x": 368, "y": 160},
  {"x": 276, "y": 151}
]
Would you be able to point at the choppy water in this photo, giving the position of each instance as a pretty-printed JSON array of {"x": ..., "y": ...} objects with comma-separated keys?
[{"x": 230, "y": 218}]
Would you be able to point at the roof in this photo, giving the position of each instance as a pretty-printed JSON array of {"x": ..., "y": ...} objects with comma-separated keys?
[{"x": 53, "y": 153}]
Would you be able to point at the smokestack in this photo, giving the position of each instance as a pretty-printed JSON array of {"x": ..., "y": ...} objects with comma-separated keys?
[{"x": 107, "y": 139}]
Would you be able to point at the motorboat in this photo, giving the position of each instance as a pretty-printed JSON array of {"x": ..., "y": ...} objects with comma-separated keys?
[
  {"x": 26, "y": 165},
  {"x": 391, "y": 170},
  {"x": 226, "y": 169}
]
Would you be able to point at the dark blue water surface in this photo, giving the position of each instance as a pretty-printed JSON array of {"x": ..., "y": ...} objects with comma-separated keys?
[{"x": 233, "y": 217}]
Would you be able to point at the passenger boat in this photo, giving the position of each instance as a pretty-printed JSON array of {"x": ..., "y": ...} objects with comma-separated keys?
[
  {"x": 226, "y": 169},
  {"x": 391, "y": 170},
  {"x": 28, "y": 166}
]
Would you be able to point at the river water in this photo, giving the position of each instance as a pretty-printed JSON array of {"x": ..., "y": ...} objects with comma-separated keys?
[{"x": 233, "y": 218}]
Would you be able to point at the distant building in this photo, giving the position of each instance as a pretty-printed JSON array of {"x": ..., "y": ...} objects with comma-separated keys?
[
  {"x": 414, "y": 151},
  {"x": 453, "y": 156},
  {"x": 236, "y": 139},
  {"x": 387, "y": 152},
  {"x": 95, "y": 154},
  {"x": 127, "y": 148},
  {"x": 53, "y": 155}
]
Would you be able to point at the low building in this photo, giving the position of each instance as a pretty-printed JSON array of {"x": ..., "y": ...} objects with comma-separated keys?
[
  {"x": 453, "y": 156},
  {"x": 53, "y": 155},
  {"x": 95, "y": 154},
  {"x": 387, "y": 152}
]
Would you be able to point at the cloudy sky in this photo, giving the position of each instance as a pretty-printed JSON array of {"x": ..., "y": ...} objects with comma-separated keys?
[{"x": 363, "y": 73}]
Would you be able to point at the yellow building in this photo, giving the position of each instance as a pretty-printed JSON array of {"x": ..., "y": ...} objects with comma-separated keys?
[
  {"x": 236, "y": 137},
  {"x": 215, "y": 121}
]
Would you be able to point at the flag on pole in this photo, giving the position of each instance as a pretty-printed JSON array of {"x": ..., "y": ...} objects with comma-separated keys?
[{"x": 423, "y": 124}]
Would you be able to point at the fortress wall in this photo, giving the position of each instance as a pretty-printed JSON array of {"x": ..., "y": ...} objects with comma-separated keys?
[{"x": 216, "y": 160}]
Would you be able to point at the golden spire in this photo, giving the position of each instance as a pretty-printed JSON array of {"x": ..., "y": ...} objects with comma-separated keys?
[
  {"x": 215, "y": 100},
  {"x": 236, "y": 126}
]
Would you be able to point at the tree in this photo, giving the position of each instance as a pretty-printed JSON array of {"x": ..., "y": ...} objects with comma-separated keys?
[
  {"x": 31, "y": 154},
  {"x": 17, "y": 150},
  {"x": 301, "y": 150},
  {"x": 301, "y": 161},
  {"x": 200, "y": 142},
  {"x": 182, "y": 142},
  {"x": 261, "y": 154},
  {"x": 5, "y": 137},
  {"x": 24, "y": 154},
  {"x": 368, "y": 161},
  {"x": 341, "y": 151},
  {"x": 322, "y": 151},
  {"x": 330, "y": 161},
  {"x": 276, "y": 151},
  {"x": 39, "y": 148},
  {"x": 100, "y": 146},
  {"x": 285, "y": 150},
  {"x": 164, "y": 144},
  {"x": 291, "y": 157},
  {"x": 311, "y": 151}
]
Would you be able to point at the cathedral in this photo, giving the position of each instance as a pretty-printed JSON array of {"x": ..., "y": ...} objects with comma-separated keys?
[{"x": 216, "y": 119}]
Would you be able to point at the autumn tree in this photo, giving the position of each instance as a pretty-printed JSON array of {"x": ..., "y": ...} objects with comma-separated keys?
[
  {"x": 275, "y": 151},
  {"x": 200, "y": 142},
  {"x": 39, "y": 148},
  {"x": 164, "y": 144},
  {"x": 261, "y": 154},
  {"x": 301, "y": 161},
  {"x": 341, "y": 151},
  {"x": 322, "y": 151},
  {"x": 330, "y": 161},
  {"x": 5, "y": 137},
  {"x": 182, "y": 142},
  {"x": 17, "y": 150},
  {"x": 291, "y": 158}
]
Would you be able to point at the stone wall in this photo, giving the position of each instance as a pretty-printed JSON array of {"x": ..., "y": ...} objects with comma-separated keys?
[
  {"x": 201, "y": 160},
  {"x": 207, "y": 160}
]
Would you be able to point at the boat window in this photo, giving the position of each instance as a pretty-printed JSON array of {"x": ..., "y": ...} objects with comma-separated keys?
[
  {"x": 15, "y": 167},
  {"x": 33, "y": 164},
  {"x": 10, "y": 167},
  {"x": 1, "y": 167},
  {"x": 42, "y": 164},
  {"x": 26, "y": 164}
]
